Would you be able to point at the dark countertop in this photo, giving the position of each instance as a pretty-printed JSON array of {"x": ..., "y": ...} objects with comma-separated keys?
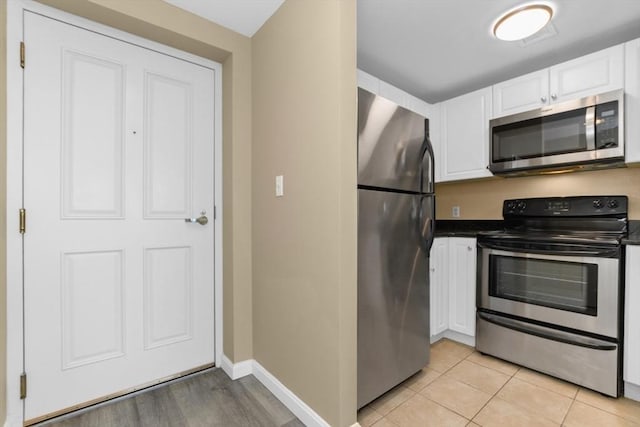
[
  {"x": 633, "y": 238},
  {"x": 465, "y": 227}
]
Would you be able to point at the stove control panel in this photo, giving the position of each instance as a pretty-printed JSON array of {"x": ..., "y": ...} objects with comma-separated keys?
[{"x": 579, "y": 206}]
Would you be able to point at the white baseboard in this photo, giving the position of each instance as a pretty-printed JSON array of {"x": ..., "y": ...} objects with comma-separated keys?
[
  {"x": 236, "y": 370},
  {"x": 300, "y": 409},
  {"x": 632, "y": 391},
  {"x": 454, "y": 336},
  {"x": 461, "y": 338}
]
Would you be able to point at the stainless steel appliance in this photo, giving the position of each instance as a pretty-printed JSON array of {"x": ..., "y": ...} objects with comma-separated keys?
[
  {"x": 580, "y": 134},
  {"x": 550, "y": 288},
  {"x": 395, "y": 233}
]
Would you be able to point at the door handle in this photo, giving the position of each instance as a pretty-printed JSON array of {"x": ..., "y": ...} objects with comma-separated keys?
[{"x": 202, "y": 219}]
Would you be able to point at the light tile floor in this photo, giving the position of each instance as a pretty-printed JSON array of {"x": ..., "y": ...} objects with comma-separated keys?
[{"x": 461, "y": 387}]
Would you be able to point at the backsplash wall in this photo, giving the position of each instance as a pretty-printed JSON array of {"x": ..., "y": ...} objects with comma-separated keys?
[{"x": 482, "y": 199}]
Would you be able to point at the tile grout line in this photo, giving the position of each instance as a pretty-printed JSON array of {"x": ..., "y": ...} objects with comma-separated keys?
[
  {"x": 497, "y": 391},
  {"x": 564, "y": 419}
]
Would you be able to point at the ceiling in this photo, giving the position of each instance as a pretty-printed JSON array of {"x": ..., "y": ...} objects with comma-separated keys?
[
  {"x": 438, "y": 49},
  {"x": 242, "y": 16}
]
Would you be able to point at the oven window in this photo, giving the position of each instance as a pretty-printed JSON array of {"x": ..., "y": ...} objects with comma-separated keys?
[{"x": 569, "y": 286}]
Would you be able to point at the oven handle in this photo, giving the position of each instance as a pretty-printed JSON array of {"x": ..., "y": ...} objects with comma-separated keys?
[
  {"x": 613, "y": 252},
  {"x": 548, "y": 333}
]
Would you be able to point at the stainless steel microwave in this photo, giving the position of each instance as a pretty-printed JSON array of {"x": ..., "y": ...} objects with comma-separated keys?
[{"x": 581, "y": 134}]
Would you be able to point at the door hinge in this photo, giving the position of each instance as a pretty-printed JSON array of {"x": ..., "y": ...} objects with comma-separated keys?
[
  {"x": 215, "y": 212},
  {"x": 23, "y": 221},
  {"x": 22, "y": 54},
  {"x": 23, "y": 386}
]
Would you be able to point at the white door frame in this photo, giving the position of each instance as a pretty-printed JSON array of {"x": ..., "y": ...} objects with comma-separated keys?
[{"x": 15, "y": 120}]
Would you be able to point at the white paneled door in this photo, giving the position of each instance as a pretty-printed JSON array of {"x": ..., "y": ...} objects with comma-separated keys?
[{"x": 118, "y": 152}]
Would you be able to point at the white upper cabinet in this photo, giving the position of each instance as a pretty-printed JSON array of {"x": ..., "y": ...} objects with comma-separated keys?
[
  {"x": 464, "y": 136},
  {"x": 591, "y": 74},
  {"x": 523, "y": 93},
  {"x": 632, "y": 101}
]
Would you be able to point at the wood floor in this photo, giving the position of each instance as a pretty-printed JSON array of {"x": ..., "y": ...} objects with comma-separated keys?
[{"x": 209, "y": 398}]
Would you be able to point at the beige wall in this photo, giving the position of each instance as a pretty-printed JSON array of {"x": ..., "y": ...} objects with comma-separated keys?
[
  {"x": 304, "y": 244},
  {"x": 483, "y": 199},
  {"x": 3, "y": 209}
]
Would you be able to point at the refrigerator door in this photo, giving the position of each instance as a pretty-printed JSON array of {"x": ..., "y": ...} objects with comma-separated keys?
[
  {"x": 391, "y": 145},
  {"x": 393, "y": 290}
]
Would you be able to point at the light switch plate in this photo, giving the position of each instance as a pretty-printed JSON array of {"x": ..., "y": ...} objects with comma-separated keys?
[{"x": 279, "y": 186}]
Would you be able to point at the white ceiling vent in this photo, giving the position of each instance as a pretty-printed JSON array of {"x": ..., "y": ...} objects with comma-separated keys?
[{"x": 547, "y": 31}]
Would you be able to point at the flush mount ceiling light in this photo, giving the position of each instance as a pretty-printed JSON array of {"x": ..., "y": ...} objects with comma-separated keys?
[{"x": 522, "y": 22}]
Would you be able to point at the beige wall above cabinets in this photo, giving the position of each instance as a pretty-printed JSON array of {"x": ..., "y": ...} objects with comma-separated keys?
[
  {"x": 304, "y": 243},
  {"x": 482, "y": 199}
]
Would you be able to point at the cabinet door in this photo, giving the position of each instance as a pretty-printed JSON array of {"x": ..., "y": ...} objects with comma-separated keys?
[
  {"x": 592, "y": 74},
  {"x": 439, "y": 285},
  {"x": 632, "y": 317},
  {"x": 632, "y": 101},
  {"x": 464, "y": 136},
  {"x": 462, "y": 285},
  {"x": 523, "y": 93}
]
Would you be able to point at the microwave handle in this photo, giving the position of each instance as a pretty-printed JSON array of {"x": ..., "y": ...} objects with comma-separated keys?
[{"x": 590, "y": 127}]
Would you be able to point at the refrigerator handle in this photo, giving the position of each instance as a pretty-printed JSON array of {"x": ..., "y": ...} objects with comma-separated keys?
[
  {"x": 427, "y": 150},
  {"x": 426, "y": 225}
]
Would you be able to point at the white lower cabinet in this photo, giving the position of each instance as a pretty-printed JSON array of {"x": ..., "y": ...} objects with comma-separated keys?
[
  {"x": 632, "y": 319},
  {"x": 453, "y": 288},
  {"x": 438, "y": 282},
  {"x": 462, "y": 285}
]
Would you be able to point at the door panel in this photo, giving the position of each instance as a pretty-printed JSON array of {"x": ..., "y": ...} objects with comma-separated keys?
[
  {"x": 168, "y": 298},
  {"x": 92, "y": 105},
  {"x": 92, "y": 307},
  {"x": 118, "y": 151},
  {"x": 167, "y": 146}
]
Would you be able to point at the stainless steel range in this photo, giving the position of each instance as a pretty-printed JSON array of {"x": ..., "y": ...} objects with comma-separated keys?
[{"x": 550, "y": 288}]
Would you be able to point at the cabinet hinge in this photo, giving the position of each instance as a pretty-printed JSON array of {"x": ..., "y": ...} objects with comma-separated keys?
[
  {"x": 22, "y": 54},
  {"x": 23, "y": 221},
  {"x": 23, "y": 386}
]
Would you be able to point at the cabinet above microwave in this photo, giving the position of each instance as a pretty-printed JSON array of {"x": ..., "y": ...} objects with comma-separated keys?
[{"x": 582, "y": 134}]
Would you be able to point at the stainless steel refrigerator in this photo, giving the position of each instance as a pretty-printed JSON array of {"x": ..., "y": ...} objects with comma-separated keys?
[{"x": 395, "y": 231}]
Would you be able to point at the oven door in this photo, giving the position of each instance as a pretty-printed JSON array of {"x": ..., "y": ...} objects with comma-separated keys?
[{"x": 561, "y": 285}]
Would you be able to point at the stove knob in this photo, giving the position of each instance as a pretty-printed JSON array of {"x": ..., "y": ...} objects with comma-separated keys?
[
  {"x": 521, "y": 205},
  {"x": 510, "y": 205},
  {"x": 597, "y": 203},
  {"x": 613, "y": 203}
]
